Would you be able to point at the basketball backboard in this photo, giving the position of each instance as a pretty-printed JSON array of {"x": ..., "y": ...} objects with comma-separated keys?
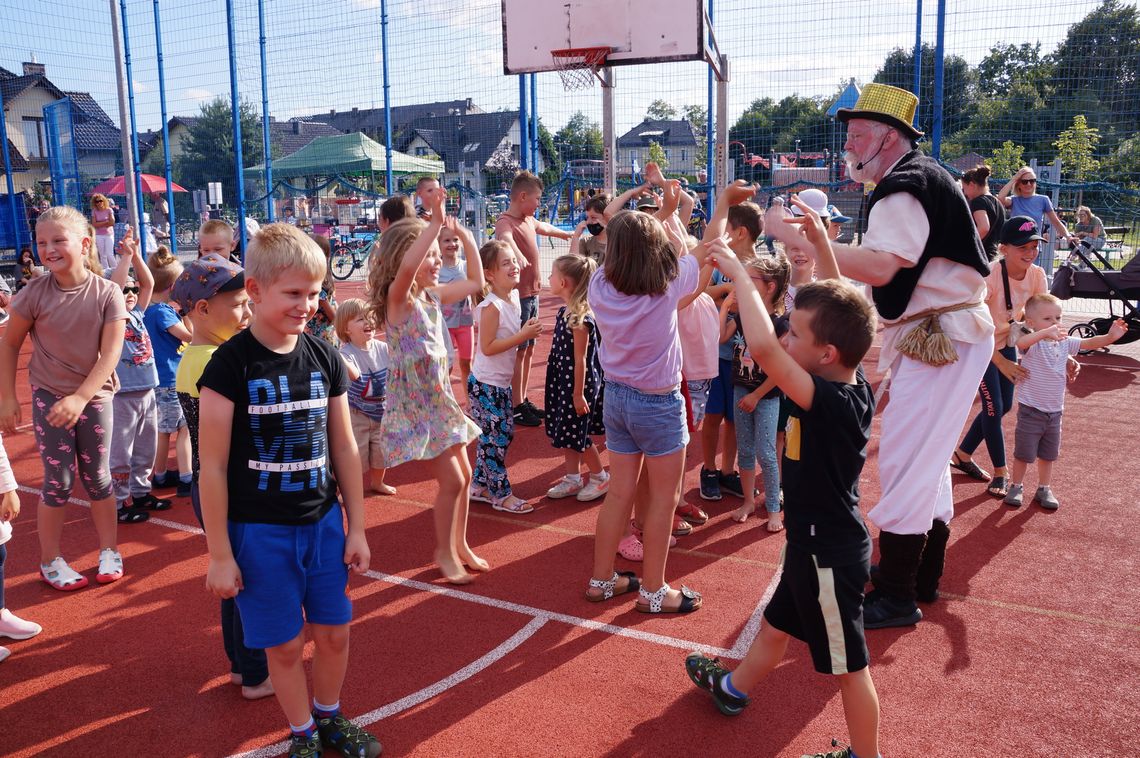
[{"x": 667, "y": 30}]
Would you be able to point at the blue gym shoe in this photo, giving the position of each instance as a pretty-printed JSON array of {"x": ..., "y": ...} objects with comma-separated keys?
[
  {"x": 341, "y": 734},
  {"x": 707, "y": 673},
  {"x": 710, "y": 484}
]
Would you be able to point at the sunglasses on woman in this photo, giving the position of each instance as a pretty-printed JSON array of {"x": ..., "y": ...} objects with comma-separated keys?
[{"x": 1027, "y": 181}]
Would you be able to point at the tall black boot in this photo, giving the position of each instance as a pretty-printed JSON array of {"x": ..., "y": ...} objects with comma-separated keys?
[
  {"x": 893, "y": 604},
  {"x": 933, "y": 560}
]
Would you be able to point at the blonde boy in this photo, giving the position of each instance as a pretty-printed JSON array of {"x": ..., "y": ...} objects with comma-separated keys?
[
  {"x": 367, "y": 360},
  {"x": 216, "y": 236},
  {"x": 275, "y": 442}
]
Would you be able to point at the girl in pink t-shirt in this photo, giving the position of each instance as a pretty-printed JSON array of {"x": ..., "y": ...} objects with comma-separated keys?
[
  {"x": 634, "y": 299},
  {"x": 76, "y": 320}
]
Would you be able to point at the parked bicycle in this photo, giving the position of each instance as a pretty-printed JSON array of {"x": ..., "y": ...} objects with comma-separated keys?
[{"x": 349, "y": 256}]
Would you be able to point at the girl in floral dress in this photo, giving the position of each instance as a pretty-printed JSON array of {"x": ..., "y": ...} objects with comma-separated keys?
[{"x": 423, "y": 421}]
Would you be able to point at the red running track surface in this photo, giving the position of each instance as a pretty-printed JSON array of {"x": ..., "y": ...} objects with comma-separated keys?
[{"x": 1033, "y": 651}]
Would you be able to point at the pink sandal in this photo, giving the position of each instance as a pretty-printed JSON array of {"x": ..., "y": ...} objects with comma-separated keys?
[{"x": 631, "y": 548}]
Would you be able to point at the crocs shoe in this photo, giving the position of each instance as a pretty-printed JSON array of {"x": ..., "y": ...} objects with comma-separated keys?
[
  {"x": 597, "y": 487},
  {"x": 567, "y": 486},
  {"x": 341, "y": 734},
  {"x": 61, "y": 576},
  {"x": 707, "y": 673},
  {"x": 14, "y": 627},
  {"x": 110, "y": 566},
  {"x": 631, "y": 548}
]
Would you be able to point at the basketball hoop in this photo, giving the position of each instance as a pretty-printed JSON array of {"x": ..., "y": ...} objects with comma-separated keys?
[{"x": 578, "y": 65}]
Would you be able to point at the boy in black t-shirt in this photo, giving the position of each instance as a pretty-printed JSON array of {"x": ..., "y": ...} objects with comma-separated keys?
[
  {"x": 275, "y": 442},
  {"x": 826, "y": 562}
]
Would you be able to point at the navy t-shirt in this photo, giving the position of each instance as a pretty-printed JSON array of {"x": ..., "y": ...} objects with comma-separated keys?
[
  {"x": 279, "y": 469},
  {"x": 824, "y": 452}
]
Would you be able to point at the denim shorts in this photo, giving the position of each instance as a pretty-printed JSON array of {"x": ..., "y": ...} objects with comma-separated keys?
[
  {"x": 529, "y": 310},
  {"x": 698, "y": 399},
  {"x": 286, "y": 569},
  {"x": 170, "y": 418},
  {"x": 640, "y": 422}
]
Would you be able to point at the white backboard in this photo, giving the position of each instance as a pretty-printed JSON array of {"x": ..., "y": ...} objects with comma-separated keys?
[{"x": 667, "y": 30}]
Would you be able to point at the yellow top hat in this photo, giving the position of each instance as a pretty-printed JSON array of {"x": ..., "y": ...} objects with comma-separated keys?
[{"x": 885, "y": 104}]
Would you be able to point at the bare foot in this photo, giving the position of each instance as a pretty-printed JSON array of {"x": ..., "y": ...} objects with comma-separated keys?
[
  {"x": 383, "y": 489},
  {"x": 472, "y": 561},
  {"x": 741, "y": 514},
  {"x": 775, "y": 523},
  {"x": 451, "y": 569},
  {"x": 265, "y": 689}
]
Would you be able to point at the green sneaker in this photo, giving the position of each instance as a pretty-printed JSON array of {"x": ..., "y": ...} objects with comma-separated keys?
[
  {"x": 845, "y": 752},
  {"x": 707, "y": 674},
  {"x": 352, "y": 741},
  {"x": 305, "y": 747}
]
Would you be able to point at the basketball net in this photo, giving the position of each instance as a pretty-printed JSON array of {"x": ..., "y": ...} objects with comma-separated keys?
[{"x": 578, "y": 66}]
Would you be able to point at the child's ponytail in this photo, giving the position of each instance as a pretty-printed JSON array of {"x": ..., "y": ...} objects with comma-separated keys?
[{"x": 578, "y": 269}]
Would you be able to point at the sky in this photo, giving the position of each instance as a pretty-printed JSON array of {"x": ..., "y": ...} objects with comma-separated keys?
[{"x": 328, "y": 55}]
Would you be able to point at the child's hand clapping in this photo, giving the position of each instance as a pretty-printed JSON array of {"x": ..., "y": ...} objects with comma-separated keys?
[{"x": 531, "y": 329}]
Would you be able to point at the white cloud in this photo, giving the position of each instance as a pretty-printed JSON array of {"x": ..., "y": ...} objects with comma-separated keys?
[{"x": 198, "y": 94}]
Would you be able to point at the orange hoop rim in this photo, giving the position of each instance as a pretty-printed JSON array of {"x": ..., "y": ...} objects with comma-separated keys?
[{"x": 592, "y": 57}]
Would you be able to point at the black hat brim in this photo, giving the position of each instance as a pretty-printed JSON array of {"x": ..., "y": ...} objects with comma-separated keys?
[{"x": 846, "y": 114}]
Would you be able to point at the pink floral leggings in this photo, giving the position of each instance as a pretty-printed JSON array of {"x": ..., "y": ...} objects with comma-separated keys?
[{"x": 60, "y": 449}]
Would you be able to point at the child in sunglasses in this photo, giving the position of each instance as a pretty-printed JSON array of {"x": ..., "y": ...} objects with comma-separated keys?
[{"x": 134, "y": 433}]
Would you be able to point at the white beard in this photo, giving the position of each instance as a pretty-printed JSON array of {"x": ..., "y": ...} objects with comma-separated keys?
[{"x": 862, "y": 176}]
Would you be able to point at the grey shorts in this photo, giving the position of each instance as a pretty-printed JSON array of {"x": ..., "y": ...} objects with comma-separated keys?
[
  {"x": 1038, "y": 434},
  {"x": 170, "y": 418}
]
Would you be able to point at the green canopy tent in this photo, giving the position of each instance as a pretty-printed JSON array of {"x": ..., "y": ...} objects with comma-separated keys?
[{"x": 344, "y": 154}]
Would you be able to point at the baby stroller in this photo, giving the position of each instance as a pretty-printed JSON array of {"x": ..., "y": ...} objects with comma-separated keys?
[{"x": 1121, "y": 286}]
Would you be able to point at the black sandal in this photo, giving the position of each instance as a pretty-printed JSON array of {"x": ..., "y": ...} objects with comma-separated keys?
[
  {"x": 653, "y": 602},
  {"x": 149, "y": 502},
  {"x": 609, "y": 586},
  {"x": 999, "y": 487},
  {"x": 132, "y": 515},
  {"x": 969, "y": 468}
]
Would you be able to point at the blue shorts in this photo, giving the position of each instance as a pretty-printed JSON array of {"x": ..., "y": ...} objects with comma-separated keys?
[
  {"x": 720, "y": 393},
  {"x": 287, "y": 569},
  {"x": 170, "y": 418},
  {"x": 640, "y": 422},
  {"x": 529, "y": 310}
]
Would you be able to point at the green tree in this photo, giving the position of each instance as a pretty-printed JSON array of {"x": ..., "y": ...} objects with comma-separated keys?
[
  {"x": 698, "y": 118},
  {"x": 1007, "y": 63},
  {"x": 1076, "y": 147},
  {"x": 657, "y": 155},
  {"x": 959, "y": 86},
  {"x": 208, "y": 151},
  {"x": 579, "y": 138},
  {"x": 553, "y": 160},
  {"x": 1006, "y": 160},
  {"x": 659, "y": 110}
]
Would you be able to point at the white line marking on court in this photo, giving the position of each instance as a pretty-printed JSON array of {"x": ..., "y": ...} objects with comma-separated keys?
[
  {"x": 152, "y": 520},
  {"x": 414, "y": 699},
  {"x": 752, "y": 626}
]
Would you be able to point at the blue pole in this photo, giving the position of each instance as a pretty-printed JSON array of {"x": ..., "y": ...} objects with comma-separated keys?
[
  {"x": 266, "y": 147},
  {"x": 939, "y": 53},
  {"x": 134, "y": 128},
  {"x": 533, "y": 123},
  {"x": 165, "y": 133},
  {"x": 524, "y": 129},
  {"x": 235, "y": 117},
  {"x": 8, "y": 175},
  {"x": 709, "y": 132},
  {"x": 917, "y": 59},
  {"x": 389, "y": 183}
]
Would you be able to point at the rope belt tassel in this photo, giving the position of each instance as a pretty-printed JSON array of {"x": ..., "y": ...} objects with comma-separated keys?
[{"x": 926, "y": 342}]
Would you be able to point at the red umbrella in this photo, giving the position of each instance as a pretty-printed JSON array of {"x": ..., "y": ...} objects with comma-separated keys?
[{"x": 116, "y": 185}]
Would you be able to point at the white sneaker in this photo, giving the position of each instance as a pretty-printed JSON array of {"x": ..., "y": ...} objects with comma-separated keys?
[
  {"x": 110, "y": 566},
  {"x": 15, "y": 627},
  {"x": 565, "y": 487},
  {"x": 597, "y": 487},
  {"x": 4, "y": 653}
]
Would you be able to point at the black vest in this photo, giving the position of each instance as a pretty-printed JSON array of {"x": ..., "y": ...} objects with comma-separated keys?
[{"x": 952, "y": 232}]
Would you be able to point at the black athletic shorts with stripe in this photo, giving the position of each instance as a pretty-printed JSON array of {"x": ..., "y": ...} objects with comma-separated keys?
[{"x": 824, "y": 608}]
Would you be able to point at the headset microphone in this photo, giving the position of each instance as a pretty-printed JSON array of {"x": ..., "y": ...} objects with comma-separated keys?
[{"x": 860, "y": 164}]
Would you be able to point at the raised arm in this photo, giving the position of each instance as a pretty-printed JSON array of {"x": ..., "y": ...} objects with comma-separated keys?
[
  {"x": 550, "y": 230},
  {"x": 622, "y": 200},
  {"x": 401, "y": 286},
  {"x": 453, "y": 292},
  {"x": 813, "y": 230}
]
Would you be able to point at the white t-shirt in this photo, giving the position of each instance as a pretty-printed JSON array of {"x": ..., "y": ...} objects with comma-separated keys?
[
  {"x": 7, "y": 484},
  {"x": 1044, "y": 388},
  {"x": 497, "y": 370},
  {"x": 943, "y": 282}
]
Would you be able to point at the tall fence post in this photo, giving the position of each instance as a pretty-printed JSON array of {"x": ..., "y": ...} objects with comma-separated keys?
[
  {"x": 710, "y": 168},
  {"x": 235, "y": 117},
  {"x": 533, "y": 123},
  {"x": 917, "y": 59},
  {"x": 266, "y": 142},
  {"x": 137, "y": 179},
  {"x": 939, "y": 71},
  {"x": 124, "y": 123},
  {"x": 8, "y": 174},
  {"x": 167, "y": 168},
  {"x": 389, "y": 180},
  {"x": 609, "y": 144},
  {"x": 524, "y": 128}
]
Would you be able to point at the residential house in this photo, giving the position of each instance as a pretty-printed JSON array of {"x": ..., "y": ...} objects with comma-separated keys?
[
  {"x": 97, "y": 138},
  {"x": 370, "y": 121},
  {"x": 285, "y": 137},
  {"x": 483, "y": 145},
  {"x": 676, "y": 138}
]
